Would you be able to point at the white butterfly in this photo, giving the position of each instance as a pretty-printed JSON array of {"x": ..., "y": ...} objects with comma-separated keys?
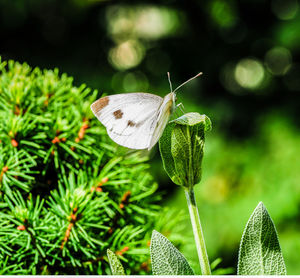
[{"x": 136, "y": 120}]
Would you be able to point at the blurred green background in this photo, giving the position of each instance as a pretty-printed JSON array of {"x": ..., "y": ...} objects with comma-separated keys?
[{"x": 249, "y": 53}]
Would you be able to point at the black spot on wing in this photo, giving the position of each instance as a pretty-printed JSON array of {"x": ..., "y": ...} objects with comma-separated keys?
[
  {"x": 131, "y": 123},
  {"x": 118, "y": 114}
]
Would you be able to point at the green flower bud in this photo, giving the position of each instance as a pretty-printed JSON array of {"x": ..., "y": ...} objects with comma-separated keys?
[{"x": 181, "y": 148}]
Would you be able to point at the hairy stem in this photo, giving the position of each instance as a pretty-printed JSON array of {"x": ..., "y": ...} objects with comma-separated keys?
[{"x": 198, "y": 234}]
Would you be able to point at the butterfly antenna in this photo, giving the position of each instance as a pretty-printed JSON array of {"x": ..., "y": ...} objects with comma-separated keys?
[
  {"x": 169, "y": 78},
  {"x": 197, "y": 75}
]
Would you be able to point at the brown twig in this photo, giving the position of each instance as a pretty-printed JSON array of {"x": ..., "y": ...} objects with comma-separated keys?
[
  {"x": 72, "y": 219},
  {"x": 99, "y": 185},
  {"x": 121, "y": 252},
  {"x": 125, "y": 199},
  {"x": 4, "y": 169},
  {"x": 81, "y": 132},
  {"x": 14, "y": 142}
]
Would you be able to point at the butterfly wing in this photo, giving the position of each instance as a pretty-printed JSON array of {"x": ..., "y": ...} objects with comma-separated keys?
[
  {"x": 130, "y": 119},
  {"x": 165, "y": 111}
]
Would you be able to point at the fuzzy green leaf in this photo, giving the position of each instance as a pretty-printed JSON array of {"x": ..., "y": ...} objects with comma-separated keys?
[
  {"x": 165, "y": 257},
  {"x": 260, "y": 252},
  {"x": 181, "y": 147},
  {"x": 115, "y": 265}
]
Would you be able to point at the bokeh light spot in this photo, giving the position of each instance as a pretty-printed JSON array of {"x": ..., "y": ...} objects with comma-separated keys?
[
  {"x": 223, "y": 13},
  {"x": 278, "y": 60},
  {"x": 117, "y": 82},
  {"x": 126, "y": 55},
  {"x": 228, "y": 80},
  {"x": 154, "y": 22},
  {"x": 288, "y": 34},
  {"x": 285, "y": 10},
  {"x": 148, "y": 22},
  {"x": 249, "y": 73},
  {"x": 135, "y": 81}
]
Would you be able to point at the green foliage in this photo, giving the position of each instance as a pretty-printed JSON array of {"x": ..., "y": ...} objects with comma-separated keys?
[
  {"x": 181, "y": 148},
  {"x": 67, "y": 191},
  {"x": 238, "y": 173},
  {"x": 216, "y": 270},
  {"x": 115, "y": 265},
  {"x": 165, "y": 257},
  {"x": 260, "y": 252}
]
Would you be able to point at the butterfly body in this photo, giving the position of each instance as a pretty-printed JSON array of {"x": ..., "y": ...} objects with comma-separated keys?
[{"x": 134, "y": 120}]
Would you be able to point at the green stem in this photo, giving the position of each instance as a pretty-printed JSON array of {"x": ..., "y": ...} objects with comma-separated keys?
[{"x": 198, "y": 234}]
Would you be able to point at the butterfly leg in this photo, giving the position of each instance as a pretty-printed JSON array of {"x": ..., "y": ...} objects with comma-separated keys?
[{"x": 181, "y": 107}]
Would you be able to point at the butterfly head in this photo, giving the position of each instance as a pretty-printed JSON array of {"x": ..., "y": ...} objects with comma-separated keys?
[{"x": 173, "y": 93}]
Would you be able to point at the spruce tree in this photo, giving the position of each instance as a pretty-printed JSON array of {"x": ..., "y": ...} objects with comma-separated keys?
[{"x": 67, "y": 192}]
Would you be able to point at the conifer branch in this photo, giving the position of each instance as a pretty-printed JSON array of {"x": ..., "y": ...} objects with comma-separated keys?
[{"x": 66, "y": 193}]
